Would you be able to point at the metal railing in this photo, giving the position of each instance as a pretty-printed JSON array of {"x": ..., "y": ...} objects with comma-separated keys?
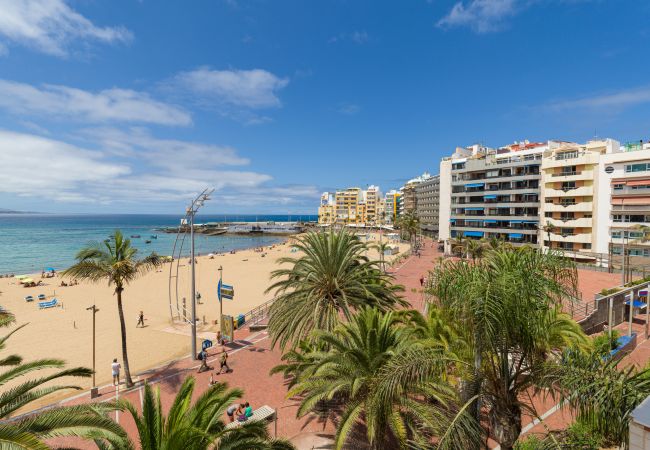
[{"x": 256, "y": 315}]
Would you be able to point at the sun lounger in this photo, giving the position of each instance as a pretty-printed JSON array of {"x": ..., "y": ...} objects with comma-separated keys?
[
  {"x": 262, "y": 413},
  {"x": 29, "y": 298},
  {"x": 51, "y": 304},
  {"x": 40, "y": 296}
]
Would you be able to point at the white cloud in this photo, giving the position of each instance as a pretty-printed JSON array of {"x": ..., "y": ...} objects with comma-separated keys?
[
  {"x": 612, "y": 101},
  {"x": 358, "y": 37},
  {"x": 349, "y": 109},
  {"x": 51, "y": 26},
  {"x": 51, "y": 169},
  {"x": 254, "y": 89},
  {"x": 110, "y": 105},
  {"x": 132, "y": 167},
  {"x": 481, "y": 15},
  {"x": 171, "y": 154}
]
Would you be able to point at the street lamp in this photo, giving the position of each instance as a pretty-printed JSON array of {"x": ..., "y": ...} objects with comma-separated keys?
[
  {"x": 94, "y": 392},
  {"x": 190, "y": 212}
]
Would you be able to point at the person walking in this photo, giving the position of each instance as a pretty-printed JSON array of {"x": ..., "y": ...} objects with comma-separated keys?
[
  {"x": 140, "y": 320},
  {"x": 223, "y": 362},
  {"x": 203, "y": 356},
  {"x": 115, "y": 370}
]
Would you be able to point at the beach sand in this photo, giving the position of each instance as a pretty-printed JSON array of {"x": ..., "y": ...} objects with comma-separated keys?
[{"x": 66, "y": 332}]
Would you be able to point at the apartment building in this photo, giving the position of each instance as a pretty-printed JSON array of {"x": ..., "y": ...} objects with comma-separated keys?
[
  {"x": 492, "y": 193},
  {"x": 427, "y": 194},
  {"x": 326, "y": 210},
  {"x": 374, "y": 205},
  {"x": 392, "y": 201},
  {"x": 575, "y": 201},
  {"x": 625, "y": 175}
]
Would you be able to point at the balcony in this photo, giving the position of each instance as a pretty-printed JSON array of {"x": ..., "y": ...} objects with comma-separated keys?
[
  {"x": 582, "y": 222},
  {"x": 582, "y": 191},
  {"x": 630, "y": 208},
  {"x": 577, "y": 207},
  {"x": 583, "y": 238}
]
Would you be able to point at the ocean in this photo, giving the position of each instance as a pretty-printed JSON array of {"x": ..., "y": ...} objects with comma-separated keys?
[{"x": 31, "y": 242}]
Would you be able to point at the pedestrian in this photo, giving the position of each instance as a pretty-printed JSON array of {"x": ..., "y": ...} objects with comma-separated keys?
[
  {"x": 219, "y": 338},
  {"x": 224, "y": 361},
  {"x": 422, "y": 281},
  {"x": 203, "y": 356},
  {"x": 115, "y": 370},
  {"x": 235, "y": 409},
  {"x": 140, "y": 320}
]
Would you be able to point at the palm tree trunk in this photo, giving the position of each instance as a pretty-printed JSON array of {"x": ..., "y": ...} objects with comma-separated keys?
[
  {"x": 125, "y": 357},
  {"x": 506, "y": 425}
]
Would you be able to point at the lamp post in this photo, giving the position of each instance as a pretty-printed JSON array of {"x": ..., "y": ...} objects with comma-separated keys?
[
  {"x": 94, "y": 392},
  {"x": 220, "y": 301},
  {"x": 191, "y": 211}
]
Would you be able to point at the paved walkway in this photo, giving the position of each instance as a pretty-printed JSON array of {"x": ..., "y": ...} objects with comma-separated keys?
[{"x": 251, "y": 359}]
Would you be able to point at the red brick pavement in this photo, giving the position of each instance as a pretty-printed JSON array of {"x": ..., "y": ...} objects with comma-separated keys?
[{"x": 252, "y": 359}]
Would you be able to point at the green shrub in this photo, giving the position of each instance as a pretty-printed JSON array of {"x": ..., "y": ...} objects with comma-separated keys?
[
  {"x": 530, "y": 443},
  {"x": 582, "y": 436},
  {"x": 603, "y": 344},
  {"x": 609, "y": 291}
]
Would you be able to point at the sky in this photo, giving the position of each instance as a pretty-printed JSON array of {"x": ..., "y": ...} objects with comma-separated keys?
[{"x": 128, "y": 106}]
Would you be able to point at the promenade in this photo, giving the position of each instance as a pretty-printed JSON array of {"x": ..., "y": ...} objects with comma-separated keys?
[{"x": 251, "y": 358}]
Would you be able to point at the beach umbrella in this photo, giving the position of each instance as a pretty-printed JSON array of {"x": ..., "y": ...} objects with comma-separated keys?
[
  {"x": 49, "y": 269},
  {"x": 20, "y": 277},
  {"x": 26, "y": 280}
]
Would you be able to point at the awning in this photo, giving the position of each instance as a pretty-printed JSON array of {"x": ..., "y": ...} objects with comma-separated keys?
[
  {"x": 516, "y": 235},
  {"x": 638, "y": 183},
  {"x": 516, "y": 221},
  {"x": 631, "y": 200},
  {"x": 489, "y": 221},
  {"x": 474, "y": 185},
  {"x": 474, "y": 233},
  {"x": 530, "y": 193},
  {"x": 489, "y": 197},
  {"x": 531, "y": 221},
  {"x": 452, "y": 220},
  {"x": 474, "y": 209},
  {"x": 637, "y": 304}
]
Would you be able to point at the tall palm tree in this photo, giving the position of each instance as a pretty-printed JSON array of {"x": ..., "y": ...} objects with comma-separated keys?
[
  {"x": 114, "y": 261},
  {"x": 356, "y": 373},
  {"x": 330, "y": 280},
  {"x": 548, "y": 229},
  {"x": 31, "y": 431},
  {"x": 409, "y": 223},
  {"x": 193, "y": 427},
  {"x": 510, "y": 303},
  {"x": 474, "y": 248},
  {"x": 458, "y": 245},
  {"x": 382, "y": 247}
]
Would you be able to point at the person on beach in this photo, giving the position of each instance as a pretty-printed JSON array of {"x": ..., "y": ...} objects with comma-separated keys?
[
  {"x": 140, "y": 320},
  {"x": 115, "y": 370},
  {"x": 223, "y": 362}
]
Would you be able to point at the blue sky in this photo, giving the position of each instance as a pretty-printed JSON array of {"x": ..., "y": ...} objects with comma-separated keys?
[{"x": 133, "y": 106}]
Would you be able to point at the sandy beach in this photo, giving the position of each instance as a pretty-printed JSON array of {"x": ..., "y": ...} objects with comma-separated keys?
[{"x": 66, "y": 332}]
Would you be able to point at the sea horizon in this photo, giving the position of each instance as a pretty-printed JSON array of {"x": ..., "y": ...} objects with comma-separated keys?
[{"x": 33, "y": 241}]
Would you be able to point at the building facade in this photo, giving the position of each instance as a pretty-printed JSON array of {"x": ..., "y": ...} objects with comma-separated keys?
[
  {"x": 427, "y": 194},
  {"x": 352, "y": 206},
  {"x": 493, "y": 193},
  {"x": 391, "y": 206},
  {"x": 326, "y": 210}
]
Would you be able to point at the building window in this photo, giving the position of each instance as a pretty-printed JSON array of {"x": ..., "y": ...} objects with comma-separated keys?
[
  {"x": 586, "y": 246},
  {"x": 568, "y": 185},
  {"x": 618, "y": 187},
  {"x": 643, "y": 167},
  {"x": 548, "y": 214},
  {"x": 567, "y": 155}
]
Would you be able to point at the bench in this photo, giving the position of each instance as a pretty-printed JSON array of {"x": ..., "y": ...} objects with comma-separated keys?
[
  {"x": 51, "y": 304},
  {"x": 262, "y": 413}
]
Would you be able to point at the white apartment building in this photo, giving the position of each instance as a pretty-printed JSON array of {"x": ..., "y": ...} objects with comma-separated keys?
[{"x": 591, "y": 198}]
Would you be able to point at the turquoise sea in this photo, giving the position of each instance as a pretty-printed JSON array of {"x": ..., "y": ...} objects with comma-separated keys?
[{"x": 31, "y": 242}]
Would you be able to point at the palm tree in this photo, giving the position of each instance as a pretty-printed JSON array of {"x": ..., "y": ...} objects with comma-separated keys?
[
  {"x": 31, "y": 431},
  {"x": 382, "y": 247},
  {"x": 458, "y": 245},
  {"x": 113, "y": 261},
  {"x": 332, "y": 278},
  {"x": 357, "y": 374},
  {"x": 601, "y": 395},
  {"x": 474, "y": 248},
  {"x": 548, "y": 229},
  {"x": 510, "y": 304},
  {"x": 193, "y": 427},
  {"x": 410, "y": 224}
]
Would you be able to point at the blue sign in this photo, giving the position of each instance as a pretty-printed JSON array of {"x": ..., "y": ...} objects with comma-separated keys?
[{"x": 225, "y": 291}]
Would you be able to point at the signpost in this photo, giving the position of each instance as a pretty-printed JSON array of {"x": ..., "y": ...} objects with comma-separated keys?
[{"x": 225, "y": 291}]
